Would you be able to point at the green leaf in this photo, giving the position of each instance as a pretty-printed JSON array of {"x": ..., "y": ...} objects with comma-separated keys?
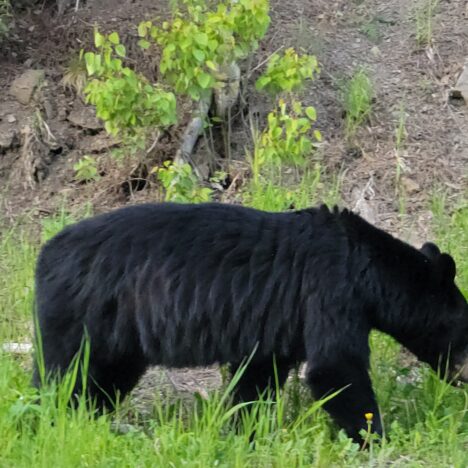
[
  {"x": 169, "y": 48},
  {"x": 204, "y": 80},
  {"x": 185, "y": 43},
  {"x": 114, "y": 38},
  {"x": 142, "y": 29},
  {"x": 193, "y": 92},
  {"x": 97, "y": 63},
  {"x": 306, "y": 145},
  {"x": 303, "y": 124},
  {"x": 144, "y": 44},
  {"x": 109, "y": 128},
  {"x": 211, "y": 65},
  {"x": 201, "y": 39},
  {"x": 98, "y": 39},
  {"x": 198, "y": 54},
  {"x": 277, "y": 132},
  {"x": 213, "y": 44},
  {"x": 89, "y": 60},
  {"x": 120, "y": 50},
  {"x": 297, "y": 107},
  {"x": 311, "y": 113},
  {"x": 262, "y": 82},
  {"x": 239, "y": 52}
]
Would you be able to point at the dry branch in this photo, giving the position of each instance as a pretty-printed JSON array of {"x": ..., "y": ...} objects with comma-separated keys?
[{"x": 192, "y": 133}]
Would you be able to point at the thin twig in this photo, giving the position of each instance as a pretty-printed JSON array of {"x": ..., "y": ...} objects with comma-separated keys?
[
  {"x": 155, "y": 142},
  {"x": 254, "y": 69}
]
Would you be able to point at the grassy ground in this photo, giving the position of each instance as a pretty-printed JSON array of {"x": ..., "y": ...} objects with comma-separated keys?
[{"x": 424, "y": 418}]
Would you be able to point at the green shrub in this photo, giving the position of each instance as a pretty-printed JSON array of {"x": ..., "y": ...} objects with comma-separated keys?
[
  {"x": 126, "y": 101},
  {"x": 86, "y": 169},
  {"x": 286, "y": 139},
  {"x": 181, "y": 184},
  {"x": 287, "y": 72},
  {"x": 199, "y": 41}
]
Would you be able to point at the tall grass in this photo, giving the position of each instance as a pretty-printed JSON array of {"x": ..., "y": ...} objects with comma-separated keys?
[
  {"x": 303, "y": 190},
  {"x": 451, "y": 228},
  {"x": 424, "y": 12},
  {"x": 425, "y": 419},
  {"x": 357, "y": 101}
]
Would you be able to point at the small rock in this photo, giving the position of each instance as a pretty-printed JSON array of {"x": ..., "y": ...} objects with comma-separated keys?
[
  {"x": 367, "y": 210},
  {"x": 11, "y": 118},
  {"x": 84, "y": 117},
  {"x": 24, "y": 86},
  {"x": 460, "y": 90},
  {"x": 97, "y": 143},
  {"x": 8, "y": 137},
  {"x": 354, "y": 152},
  {"x": 62, "y": 113},
  {"x": 363, "y": 201},
  {"x": 123, "y": 428},
  {"x": 50, "y": 110},
  {"x": 17, "y": 348},
  {"x": 410, "y": 185}
]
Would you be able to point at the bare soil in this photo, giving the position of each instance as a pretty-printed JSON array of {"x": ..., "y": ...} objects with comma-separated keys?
[{"x": 344, "y": 35}]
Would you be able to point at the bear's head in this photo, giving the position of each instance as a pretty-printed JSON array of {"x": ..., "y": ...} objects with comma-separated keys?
[{"x": 449, "y": 315}]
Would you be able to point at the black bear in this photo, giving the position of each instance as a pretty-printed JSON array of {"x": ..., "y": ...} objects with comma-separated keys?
[{"x": 192, "y": 285}]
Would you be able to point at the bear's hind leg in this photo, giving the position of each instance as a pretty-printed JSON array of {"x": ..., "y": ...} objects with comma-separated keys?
[
  {"x": 109, "y": 382},
  {"x": 108, "y": 376}
]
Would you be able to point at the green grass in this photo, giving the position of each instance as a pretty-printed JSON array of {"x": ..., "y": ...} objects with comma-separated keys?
[
  {"x": 424, "y": 417},
  {"x": 400, "y": 140},
  {"x": 452, "y": 232},
  {"x": 303, "y": 189},
  {"x": 357, "y": 101},
  {"x": 371, "y": 30},
  {"x": 5, "y": 18},
  {"x": 424, "y": 21}
]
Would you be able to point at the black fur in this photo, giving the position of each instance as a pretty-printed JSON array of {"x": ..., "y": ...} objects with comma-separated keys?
[{"x": 192, "y": 285}]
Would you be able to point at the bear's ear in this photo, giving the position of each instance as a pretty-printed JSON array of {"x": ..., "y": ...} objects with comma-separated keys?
[
  {"x": 430, "y": 250},
  {"x": 445, "y": 268}
]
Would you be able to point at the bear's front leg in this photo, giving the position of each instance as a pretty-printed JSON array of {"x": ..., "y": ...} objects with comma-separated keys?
[
  {"x": 259, "y": 378},
  {"x": 350, "y": 406}
]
